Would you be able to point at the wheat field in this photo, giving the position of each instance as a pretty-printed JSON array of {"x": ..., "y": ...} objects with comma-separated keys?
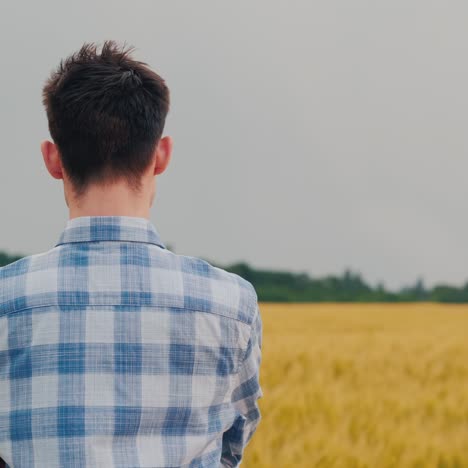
[{"x": 363, "y": 385}]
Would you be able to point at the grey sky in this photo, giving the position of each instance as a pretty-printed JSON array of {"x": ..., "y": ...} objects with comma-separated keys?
[{"x": 309, "y": 136}]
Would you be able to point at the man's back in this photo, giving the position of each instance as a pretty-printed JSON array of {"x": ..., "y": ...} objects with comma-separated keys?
[{"x": 116, "y": 352}]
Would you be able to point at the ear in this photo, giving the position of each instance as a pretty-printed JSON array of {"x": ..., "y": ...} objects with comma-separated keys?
[
  {"x": 163, "y": 154},
  {"x": 52, "y": 160}
]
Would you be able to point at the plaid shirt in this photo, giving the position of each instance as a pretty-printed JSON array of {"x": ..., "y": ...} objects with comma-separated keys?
[{"x": 116, "y": 352}]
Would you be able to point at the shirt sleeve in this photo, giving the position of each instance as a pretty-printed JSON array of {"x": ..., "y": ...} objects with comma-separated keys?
[{"x": 244, "y": 397}]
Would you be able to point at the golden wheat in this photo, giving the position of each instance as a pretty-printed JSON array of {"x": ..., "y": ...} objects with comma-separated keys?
[{"x": 363, "y": 385}]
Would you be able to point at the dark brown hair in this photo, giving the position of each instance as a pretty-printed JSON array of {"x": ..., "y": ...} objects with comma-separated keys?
[{"x": 106, "y": 113}]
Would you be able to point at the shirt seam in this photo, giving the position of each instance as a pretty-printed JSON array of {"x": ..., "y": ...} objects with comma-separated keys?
[
  {"x": 108, "y": 240},
  {"x": 242, "y": 358},
  {"x": 126, "y": 305}
]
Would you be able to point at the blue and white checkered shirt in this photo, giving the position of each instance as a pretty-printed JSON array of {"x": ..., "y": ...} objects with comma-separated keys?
[{"x": 117, "y": 352}]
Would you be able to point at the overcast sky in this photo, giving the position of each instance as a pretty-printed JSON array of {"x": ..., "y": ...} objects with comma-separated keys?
[{"x": 309, "y": 136}]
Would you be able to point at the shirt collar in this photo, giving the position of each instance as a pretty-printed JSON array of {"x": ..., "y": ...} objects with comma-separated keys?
[{"x": 110, "y": 228}]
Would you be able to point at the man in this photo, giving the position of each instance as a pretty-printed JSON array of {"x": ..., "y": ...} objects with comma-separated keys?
[{"x": 115, "y": 351}]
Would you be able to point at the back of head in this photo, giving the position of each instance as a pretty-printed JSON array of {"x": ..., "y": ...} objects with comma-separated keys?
[{"x": 106, "y": 114}]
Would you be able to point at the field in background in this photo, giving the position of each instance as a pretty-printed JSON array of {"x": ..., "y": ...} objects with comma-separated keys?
[{"x": 363, "y": 385}]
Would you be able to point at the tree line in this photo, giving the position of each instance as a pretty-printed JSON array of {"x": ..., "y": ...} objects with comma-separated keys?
[{"x": 285, "y": 286}]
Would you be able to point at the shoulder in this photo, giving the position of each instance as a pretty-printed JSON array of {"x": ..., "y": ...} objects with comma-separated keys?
[
  {"x": 16, "y": 269},
  {"x": 225, "y": 292},
  {"x": 17, "y": 277},
  {"x": 28, "y": 264}
]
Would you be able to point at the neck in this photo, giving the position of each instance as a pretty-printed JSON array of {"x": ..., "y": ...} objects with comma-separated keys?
[{"x": 111, "y": 200}]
